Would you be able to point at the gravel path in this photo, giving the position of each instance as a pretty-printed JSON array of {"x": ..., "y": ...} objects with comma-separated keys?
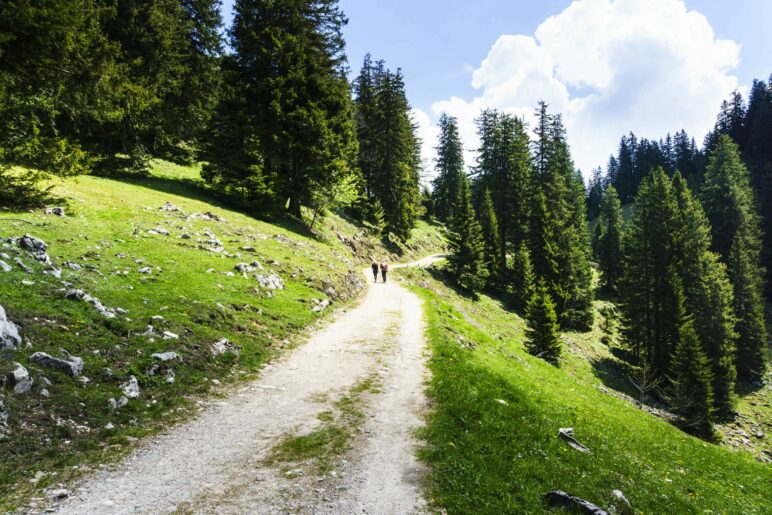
[{"x": 216, "y": 462}]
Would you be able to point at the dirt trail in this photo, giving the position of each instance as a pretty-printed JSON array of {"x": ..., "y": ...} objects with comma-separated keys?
[{"x": 216, "y": 463}]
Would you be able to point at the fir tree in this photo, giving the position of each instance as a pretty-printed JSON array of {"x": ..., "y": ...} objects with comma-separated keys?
[
  {"x": 542, "y": 338},
  {"x": 522, "y": 282},
  {"x": 728, "y": 200},
  {"x": 467, "y": 248},
  {"x": 490, "y": 234},
  {"x": 610, "y": 241},
  {"x": 290, "y": 62},
  {"x": 651, "y": 289},
  {"x": 450, "y": 162},
  {"x": 707, "y": 293},
  {"x": 690, "y": 376}
]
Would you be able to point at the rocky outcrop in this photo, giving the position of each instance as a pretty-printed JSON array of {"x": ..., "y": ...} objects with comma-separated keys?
[
  {"x": 72, "y": 366},
  {"x": 19, "y": 380},
  {"x": 9, "y": 333}
]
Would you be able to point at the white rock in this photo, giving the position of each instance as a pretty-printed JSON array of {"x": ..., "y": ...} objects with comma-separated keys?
[
  {"x": 168, "y": 335},
  {"x": 9, "y": 333},
  {"x": 130, "y": 388}
]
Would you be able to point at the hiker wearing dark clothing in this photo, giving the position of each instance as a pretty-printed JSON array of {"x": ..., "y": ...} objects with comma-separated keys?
[
  {"x": 384, "y": 269},
  {"x": 375, "y": 272}
]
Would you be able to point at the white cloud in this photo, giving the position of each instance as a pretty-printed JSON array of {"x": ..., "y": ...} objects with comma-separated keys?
[{"x": 610, "y": 66}]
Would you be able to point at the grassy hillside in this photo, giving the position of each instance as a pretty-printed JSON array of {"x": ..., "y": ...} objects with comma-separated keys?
[
  {"x": 492, "y": 438},
  {"x": 161, "y": 251}
]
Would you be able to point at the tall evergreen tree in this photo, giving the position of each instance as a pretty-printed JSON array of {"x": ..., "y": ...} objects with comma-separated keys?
[
  {"x": 707, "y": 293},
  {"x": 504, "y": 168},
  {"x": 290, "y": 61},
  {"x": 449, "y": 164},
  {"x": 389, "y": 149},
  {"x": 728, "y": 200},
  {"x": 542, "y": 337},
  {"x": 690, "y": 375},
  {"x": 522, "y": 282},
  {"x": 490, "y": 234},
  {"x": 467, "y": 248},
  {"x": 595, "y": 194},
  {"x": 610, "y": 242},
  {"x": 559, "y": 236},
  {"x": 651, "y": 290}
]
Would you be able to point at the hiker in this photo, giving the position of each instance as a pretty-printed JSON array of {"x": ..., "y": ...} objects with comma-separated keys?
[
  {"x": 384, "y": 269},
  {"x": 375, "y": 272}
]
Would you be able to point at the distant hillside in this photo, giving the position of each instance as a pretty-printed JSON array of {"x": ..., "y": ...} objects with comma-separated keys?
[{"x": 164, "y": 293}]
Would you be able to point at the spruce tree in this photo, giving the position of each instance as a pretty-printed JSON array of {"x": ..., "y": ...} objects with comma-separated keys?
[
  {"x": 609, "y": 242},
  {"x": 690, "y": 376},
  {"x": 467, "y": 248},
  {"x": 450, "y": 162},
  {"x": 522, "y": 282},
  {"x": 490, "y": 234},
  {"x": 389, "y": 149},
  {"x": 559, "y": 236},
  {"x": 707, "y": 293},
  {"x": 728, "y": 200},
  {"x": 542, "y": 337},
  {"x": 290, "y": 62},
  {"x": 651, "y": 290}
]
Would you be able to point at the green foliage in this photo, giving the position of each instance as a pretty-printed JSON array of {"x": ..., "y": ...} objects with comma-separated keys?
[
  {"x": 542, "y": 338},
  {"x": 651, "y": 290},
  {"x": 609, "y": 243},
  {"x": 558, "y": 233},
  {"x": 522, "y": 282},
  {"x": 342, "y": 194},
  {"x": 691, "y": 378},
  {"x": 389, "y": 148},
  {"x": 293, "y": 127},
  {"x": 449, "y": 164},
  {"x": 504, "y": 168},
  {"x": 490, "y": 235},
  {"x": 728, "y": 200},
  {"x": 467, "y": 248}
]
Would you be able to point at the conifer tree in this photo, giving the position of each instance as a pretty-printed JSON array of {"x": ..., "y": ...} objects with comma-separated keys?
[
  {"x": 707, "y": 293},
  {"x": 728, "y": 200},
  {"x": 467, "y": 248},
  {"x": 559, "y": 237},
  {"x": 542, "y": 338},
  {"x": 690, "y": 376},
  {"x": 389, "y": 149},
  {"x": 450, "y": 162},
  {"x": 597, "y": 236},
  {"x": 522, "y": 276},
  {"x": 651, "y": 290},
  {"x": 609, "y": 242},
  {"x": 290, "y": 62},
  {"x": 490, "y": 234}
]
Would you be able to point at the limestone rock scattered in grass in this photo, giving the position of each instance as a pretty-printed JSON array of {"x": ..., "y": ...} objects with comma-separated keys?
[
  {"x": 272, "y": 282},
  {"x": 222, "y": 346},
  {"x": 76, "y": 294},
  {"x": 9, "y": 333},
  {"x": 73, "y": 266},
  {"x": 36, "y": 247},
  {"x": 166, "y": 356},
  {"x": 53, "y": 272},
  {"x": 19, "y": 380},
  {"x": 168, "y": 335},
  {"x": 169, "y": 207},
  {"x": 23, "y": 266},
  {"x": 561, "y": 499},
  {"x": 145, "y": 270},
  {"x": 319, "y": 305},
  {"x": 130, "y": 389},
  {"x": 5, "y": 267},
  {"x": 567, "y": 434},
  {"x": 72, "y": 366},
  {"x": 3, "y": 417},
  {"x": 58, "y": 211}
]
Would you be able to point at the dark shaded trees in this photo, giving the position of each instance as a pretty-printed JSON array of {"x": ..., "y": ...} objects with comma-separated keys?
[
  {"x": 609, "y": 244},
  {"x": 542, "y": 338},
  {"x": 450, "y": 162},
  {"x": 467, "y": 248}
]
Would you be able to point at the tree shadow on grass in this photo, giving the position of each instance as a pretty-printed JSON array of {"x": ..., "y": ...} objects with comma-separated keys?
[{"x": 196, "y": 189}]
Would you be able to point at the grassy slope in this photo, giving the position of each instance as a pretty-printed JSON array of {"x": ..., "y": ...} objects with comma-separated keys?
[
  {"x": 107, "y": 219},
  {"x": 489, "y": 456}
]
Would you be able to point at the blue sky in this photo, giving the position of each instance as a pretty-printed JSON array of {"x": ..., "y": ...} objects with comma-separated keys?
[{"x": 609, "y": 66}]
